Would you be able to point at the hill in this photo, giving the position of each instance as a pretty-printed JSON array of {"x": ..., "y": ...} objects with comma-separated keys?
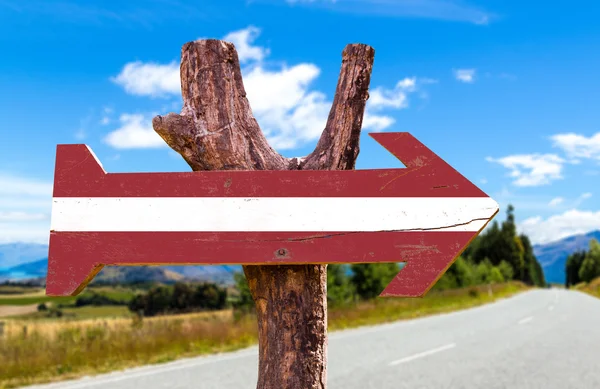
[
  {"x": 24, "y": 268},
  {"x": 553, "y": 256},
  {"x": 14, "y": 254}
]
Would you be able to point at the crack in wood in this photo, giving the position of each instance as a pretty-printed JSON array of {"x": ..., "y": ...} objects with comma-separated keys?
[{"x": 326, "y": 236}]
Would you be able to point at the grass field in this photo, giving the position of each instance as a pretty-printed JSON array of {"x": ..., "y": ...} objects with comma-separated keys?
[
  {"x": 6, "y": 290},
  {"x": 48, "y": 350},
  {"x": 592, "y": 288},
  {"x": 21, "y": 303},
  {"x": 37, "y": 295}
]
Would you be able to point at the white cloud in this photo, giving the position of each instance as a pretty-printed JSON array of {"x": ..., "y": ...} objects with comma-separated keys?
[
  {"x": 149, "y": 79},
  {"x": 532, "y": 169},
  {"x": 25, "y": 232},
  {"x": 559, "y": 226},
  {"x": 483, "y": 181},
  {"x": 12, "y": 185},
  {"x": 578, "y": 146},
  {"x": 25, "y": 205},
  {"x": 465, "y": 75},
  {"x": 556, "y": 201},
  {"x": 376, "y": 122},
  {"x": 540, "y": 203},
  {"x": 135, "y": 132},
  {"x": 242, "y": 40},
  {"x": 288, "y": 110},
  {"x": 380, "y": 98},
  {"x": 19, "y": 216},
  {"x": 581, "y": 199}
]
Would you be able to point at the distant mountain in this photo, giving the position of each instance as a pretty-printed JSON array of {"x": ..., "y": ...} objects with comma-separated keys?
[
  {"x": 221, "y": 274},
  {"x": 553, "y": 256},
  {"x": 218, "y": 273},
  {"x": 27, "y": 270},
  {"x": 129, "y": 274},
  {"x": 13, "y": 254}
]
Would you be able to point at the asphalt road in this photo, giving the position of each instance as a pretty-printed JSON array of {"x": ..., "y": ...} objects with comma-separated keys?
[{"x": 547, "y": 339}]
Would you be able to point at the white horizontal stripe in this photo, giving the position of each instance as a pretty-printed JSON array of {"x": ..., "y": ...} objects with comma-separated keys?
[
  {"x": 319, "y": 214},
  {"x": 423, "y": 354},
  {"x": 526, "y": 320}
]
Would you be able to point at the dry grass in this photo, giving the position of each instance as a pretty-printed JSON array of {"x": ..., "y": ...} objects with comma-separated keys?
[
  {"x": 15, "y": 310},
  {"x": 67, "y": 349},
  {"x": 592, "y": 288},
  {"x": 52, "y": 328},
  {"x": 388, "y": 310}
]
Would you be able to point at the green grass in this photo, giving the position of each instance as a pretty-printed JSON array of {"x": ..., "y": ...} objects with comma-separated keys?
[
  {"x": 28, "y": 298},
  {"x": 69, "y": 352},
  {"x": 380, "y": 310},
  {"x": 36, "y": 300},
  {"x": 17, "y": 289}
]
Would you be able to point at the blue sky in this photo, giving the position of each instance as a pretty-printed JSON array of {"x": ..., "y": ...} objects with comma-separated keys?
[{"x": 505, "y": 91}]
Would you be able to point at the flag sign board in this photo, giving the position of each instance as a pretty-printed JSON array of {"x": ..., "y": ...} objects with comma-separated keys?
[{"x": 424, "y": 215}]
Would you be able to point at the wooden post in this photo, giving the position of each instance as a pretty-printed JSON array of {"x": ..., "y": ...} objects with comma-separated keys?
[{"x": 217, "y": 131}]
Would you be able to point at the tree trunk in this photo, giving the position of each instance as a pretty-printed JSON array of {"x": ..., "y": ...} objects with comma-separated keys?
[{"x": 217, "y": 131}]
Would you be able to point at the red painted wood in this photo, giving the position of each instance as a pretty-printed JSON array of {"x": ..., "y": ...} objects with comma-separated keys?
[
  {"x": 73, "y": 255},
  {"x": 78, "y": 174}
]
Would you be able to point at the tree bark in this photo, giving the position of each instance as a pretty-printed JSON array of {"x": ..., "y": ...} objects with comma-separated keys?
[{"x": 217, "y": 131}]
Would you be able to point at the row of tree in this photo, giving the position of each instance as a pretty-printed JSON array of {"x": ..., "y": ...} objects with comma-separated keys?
[
  {"x": 500, "y": 244},
  {"x": 583, "y": 266},
  {"x": 179, "y": 298}
]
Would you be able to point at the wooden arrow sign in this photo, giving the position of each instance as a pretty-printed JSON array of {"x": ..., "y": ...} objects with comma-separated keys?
[{"x": 424, "y": 215}]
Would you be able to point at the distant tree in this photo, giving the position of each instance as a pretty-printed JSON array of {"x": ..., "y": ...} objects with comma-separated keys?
[
  {"x": 97, "y": 299},
  {"x": 590, "y": 268},
  {"x": 182, "y": 296},
  {"x": 340, "y": 289},
  {"x": 506, "y": 270},
  {"x": 245, "y": 302},
  {"x": 42, "y": 307},
  {"x": 371, "y": 279},
  {"x": 538, "y": 274},
  {"x": 484, "y": 246},
  {"x": 460, "y": 274},
  {"x": 495, "y": 276},
  {"x": 179, "y": 298},
  {"x": 447, "y": 281},
  {"x": 464, "y": 271},
  {"x": 501, "y": 244},
  {"x": 483, "y": 272},
  {"x": 533, "y": 273},
  {"x": 159, "y": 301},
  {"x": 511, "y": 247},
  {"x": 572, "y": 267},
  {"x": 209, "y": 296}
]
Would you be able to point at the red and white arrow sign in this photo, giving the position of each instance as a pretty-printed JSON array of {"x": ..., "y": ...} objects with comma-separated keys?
[{"x": 424, "y": 215}]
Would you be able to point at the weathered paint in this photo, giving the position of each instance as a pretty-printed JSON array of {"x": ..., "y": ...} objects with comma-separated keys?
[
  {"x": 425, "y": 215},
  {"x": 270, "y": 213}
]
